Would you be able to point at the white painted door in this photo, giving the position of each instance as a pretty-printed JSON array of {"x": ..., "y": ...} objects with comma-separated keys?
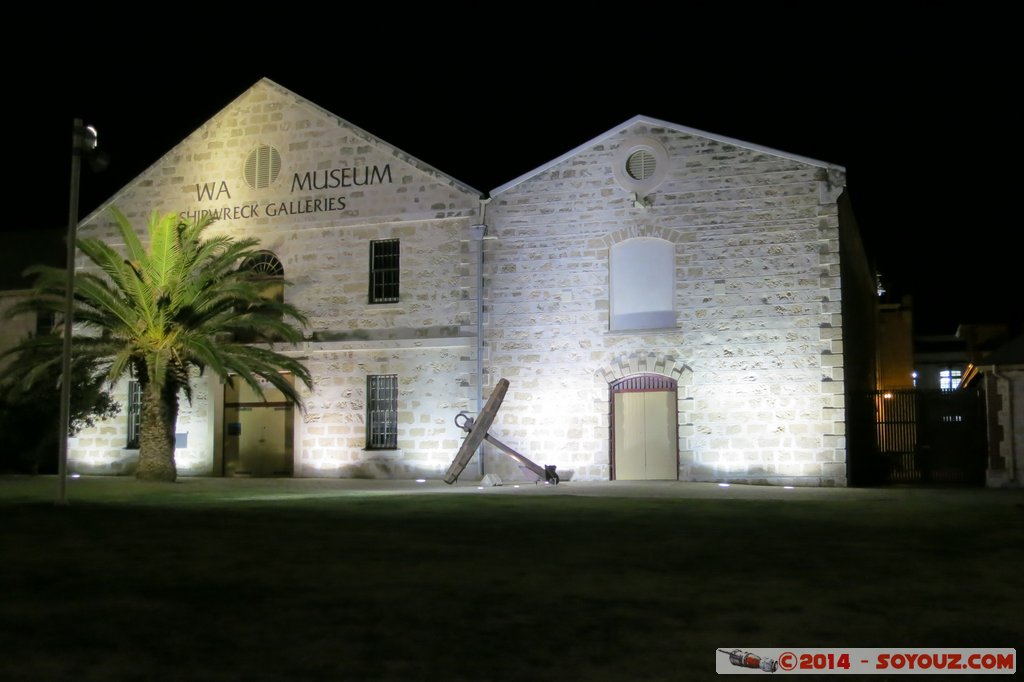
[{"x": 630, "y": 437}]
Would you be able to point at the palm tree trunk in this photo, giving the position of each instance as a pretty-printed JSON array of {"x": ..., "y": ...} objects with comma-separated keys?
[{"x": 156, "y": 433}]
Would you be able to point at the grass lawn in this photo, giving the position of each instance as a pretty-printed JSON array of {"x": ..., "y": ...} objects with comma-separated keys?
[{"x": 230, "y": 580}]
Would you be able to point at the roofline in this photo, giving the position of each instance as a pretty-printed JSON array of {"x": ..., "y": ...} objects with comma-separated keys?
[
  {"x": 1009, "y": 356},
  {"x": 369, "y": 137},
  {"x": 662, "y": 124},
  {"x": 1002, "y": 366}
]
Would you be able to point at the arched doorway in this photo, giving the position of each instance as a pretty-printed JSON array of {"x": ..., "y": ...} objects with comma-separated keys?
[{"x": 644, "y": 428}]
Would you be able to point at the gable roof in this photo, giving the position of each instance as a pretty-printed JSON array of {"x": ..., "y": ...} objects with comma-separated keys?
[
  {"x": 662, "y": 124},
  {"x": 1011, "y": 353},
  {"x": 444, "y": 178}
]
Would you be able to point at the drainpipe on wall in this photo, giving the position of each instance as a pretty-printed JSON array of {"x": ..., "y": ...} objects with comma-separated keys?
[{"x": 479, "y": 234}]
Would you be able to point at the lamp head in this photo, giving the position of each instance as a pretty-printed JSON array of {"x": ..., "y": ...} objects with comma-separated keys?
[{"x": 89, "y": 135}]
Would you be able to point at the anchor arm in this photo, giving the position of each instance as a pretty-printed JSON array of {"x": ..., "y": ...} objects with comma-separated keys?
[
  {"x": 476, "y": 432},
  {"x": 522, "y": 459}
]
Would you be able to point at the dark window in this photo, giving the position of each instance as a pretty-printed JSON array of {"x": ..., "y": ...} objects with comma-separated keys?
[
  {"x": 134, "y": 412},
  {"x": 46, "y": 323},
  {"x": 267, "y": 274},
  {"x": 382, "y": 412},
  {"x": 384, "y": 271},
  {"x": 264, "y": 265}
]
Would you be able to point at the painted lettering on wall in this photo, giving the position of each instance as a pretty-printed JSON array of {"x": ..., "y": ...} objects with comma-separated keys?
[
  {"x": 208, "y": 190},
  {"x": 271, "y": 210},
  {"x": 304, "y": 181},
  {"x": 341, "y": 177}
]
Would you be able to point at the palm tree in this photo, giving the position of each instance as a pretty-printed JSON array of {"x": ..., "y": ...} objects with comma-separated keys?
[
  {"x": 29, "y": 391},
  {"x": 169, "y": 308}
]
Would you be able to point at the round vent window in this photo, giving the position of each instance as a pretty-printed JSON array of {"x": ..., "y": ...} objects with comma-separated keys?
[
  {"x": 641, "y": 165},
  {"x": 262, "y": 166}
]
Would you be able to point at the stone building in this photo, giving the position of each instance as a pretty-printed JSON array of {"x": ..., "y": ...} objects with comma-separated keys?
[
  {"x": 999, "y": 376},
  {"x": 1003, "y": 375},
  {"x": 669, "y": 302},
  {"x": 666, "y": 304}
]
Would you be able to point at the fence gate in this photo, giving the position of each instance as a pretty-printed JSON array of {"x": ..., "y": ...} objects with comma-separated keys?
[{"x": 927, "y": 437}]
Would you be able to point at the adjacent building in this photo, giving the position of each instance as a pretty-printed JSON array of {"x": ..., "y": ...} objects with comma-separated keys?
[{"x": 1002, "y": 373}]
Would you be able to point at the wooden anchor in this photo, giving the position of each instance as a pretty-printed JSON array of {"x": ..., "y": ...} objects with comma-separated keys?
[{"x": 476, "y": 430}]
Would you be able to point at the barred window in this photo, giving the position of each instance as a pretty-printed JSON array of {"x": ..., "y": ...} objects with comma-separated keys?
[
  {"x": 134, "y": 412},
  {"x": 382, "y": 412},
  {"x": 384, "y": 271}
]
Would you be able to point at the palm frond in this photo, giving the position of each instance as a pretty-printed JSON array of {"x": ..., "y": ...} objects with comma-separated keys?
[
  {"x": 136, "y": 252},
  {"x": 162, "y": 308}
]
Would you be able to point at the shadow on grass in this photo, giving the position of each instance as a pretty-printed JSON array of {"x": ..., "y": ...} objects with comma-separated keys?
[{"x": 466, "y": 587}]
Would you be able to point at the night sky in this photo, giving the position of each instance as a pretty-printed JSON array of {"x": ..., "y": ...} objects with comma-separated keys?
[{"x": 915, "y": 103}]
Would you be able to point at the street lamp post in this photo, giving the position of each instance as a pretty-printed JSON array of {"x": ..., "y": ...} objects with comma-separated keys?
[{"x": 83, "y": 138}]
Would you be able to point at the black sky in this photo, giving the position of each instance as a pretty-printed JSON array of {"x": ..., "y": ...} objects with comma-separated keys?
[{"x": 915, "y": 102}]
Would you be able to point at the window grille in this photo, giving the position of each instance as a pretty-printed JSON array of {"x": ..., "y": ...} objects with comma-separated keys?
[
  {"x": 382, "y": 412},
  {"x": 134, "y": 412},
  {"x": 384, "y": 271}
]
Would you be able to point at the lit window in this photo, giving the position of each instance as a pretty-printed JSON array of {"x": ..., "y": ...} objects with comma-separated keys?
[
  {"x": 642, "y": 275},
  {"x": 134, "y": 412},
  {"x": 382, "y": 412},
  {"x": 384, "y": 271},
  {"x": 949, "y": 379}
]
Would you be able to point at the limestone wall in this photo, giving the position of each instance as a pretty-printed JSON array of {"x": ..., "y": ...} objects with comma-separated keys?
[
  {"x": 1005, "y": 403},
  {"x": 331, "y": 436},
  {"x": 315, "y": 190},
  {"x": 758, "y": 334},
  {"x": 756, "y": 347}
]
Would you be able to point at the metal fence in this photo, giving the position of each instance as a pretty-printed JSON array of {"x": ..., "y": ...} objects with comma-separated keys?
[{"x": 927, "y": 437}]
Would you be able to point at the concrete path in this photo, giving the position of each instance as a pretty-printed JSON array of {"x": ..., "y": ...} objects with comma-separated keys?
[{"x": 107, "y": 488}]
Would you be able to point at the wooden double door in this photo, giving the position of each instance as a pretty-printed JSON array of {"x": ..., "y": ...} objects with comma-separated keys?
[{"x": 644, "y": 432}]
